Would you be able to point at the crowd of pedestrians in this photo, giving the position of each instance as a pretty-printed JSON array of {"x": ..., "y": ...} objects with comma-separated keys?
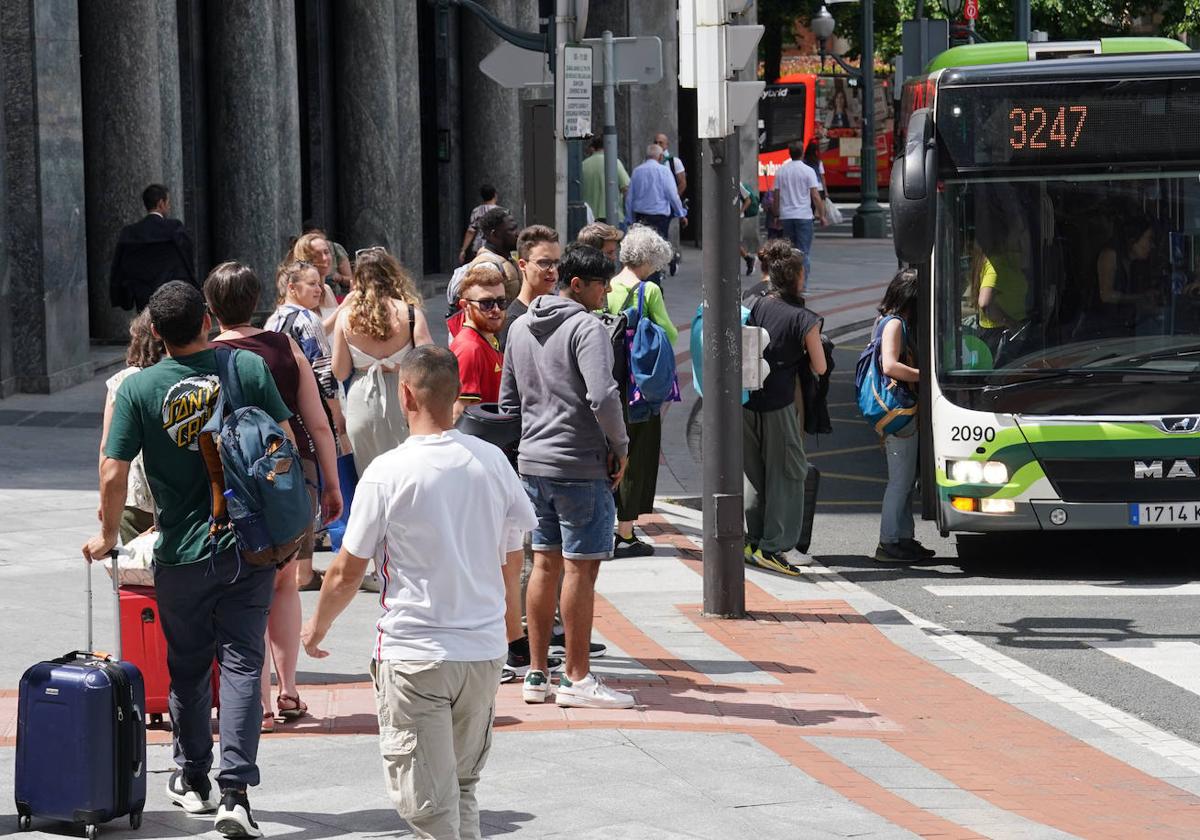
[{"x": 485, "y": 560}]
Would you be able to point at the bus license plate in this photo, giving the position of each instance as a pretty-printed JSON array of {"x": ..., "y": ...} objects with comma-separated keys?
[{"x": 1172, "y": 513}]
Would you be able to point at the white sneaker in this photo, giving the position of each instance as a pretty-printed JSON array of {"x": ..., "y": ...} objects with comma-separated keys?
[
  {"x": 198, "y": 798},
  {"x": 533, "y": 690},
  {"x": 796, "y": 558},
  {"x": 591, "y": 693},
  {"x": 234, "y": 819}
]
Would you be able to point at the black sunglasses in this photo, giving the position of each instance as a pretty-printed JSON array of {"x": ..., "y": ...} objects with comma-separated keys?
[{"x": 489, "y": 303}]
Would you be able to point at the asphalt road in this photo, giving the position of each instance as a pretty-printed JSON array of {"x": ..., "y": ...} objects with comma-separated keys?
[{"x": 1110, "y": 615}]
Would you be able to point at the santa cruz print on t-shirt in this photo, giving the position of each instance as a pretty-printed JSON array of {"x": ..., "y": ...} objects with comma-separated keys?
[{"x": 188, "y": 406}]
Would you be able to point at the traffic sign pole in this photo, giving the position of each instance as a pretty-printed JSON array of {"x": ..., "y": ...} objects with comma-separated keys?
[{"x": 611, "y": 196}]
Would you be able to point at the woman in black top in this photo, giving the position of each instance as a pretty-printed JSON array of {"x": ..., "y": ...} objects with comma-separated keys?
[{"x": 774, "y": 460}]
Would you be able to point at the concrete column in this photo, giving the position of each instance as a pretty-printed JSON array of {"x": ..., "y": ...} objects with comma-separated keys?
[
  {"x": 655, "y": 108},
  {"x": 8, "y": 382},
  {"x": 254, "y": 154},
  {"x": 379, "y": 127},
  {"x": 39, "y": 50},
  {"x": 130, "y": 73},
  {"x": 452, "y": 205},
  {"x": 491, "y": 115}
]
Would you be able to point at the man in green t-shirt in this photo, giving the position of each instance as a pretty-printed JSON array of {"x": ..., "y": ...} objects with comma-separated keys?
[
  {"x": 210, "y": 603},
  {"x": 593, "y": 187}
]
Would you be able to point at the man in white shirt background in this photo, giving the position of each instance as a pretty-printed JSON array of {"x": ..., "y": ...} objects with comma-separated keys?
[
  {"x": 441, "y": 510},
  {"x": 676, "y": 168},
  {"x": 798, "y": 197}
]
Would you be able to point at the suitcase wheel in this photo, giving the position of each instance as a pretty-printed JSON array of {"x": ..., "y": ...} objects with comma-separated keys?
[
  {"x": 91, "y": 832},
  {"x": 25, "y": 822},
  {"x": 135, "y": 821}
]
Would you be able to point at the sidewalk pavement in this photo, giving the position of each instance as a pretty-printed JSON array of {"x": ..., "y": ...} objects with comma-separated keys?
[{"x": 826, "y": 713}]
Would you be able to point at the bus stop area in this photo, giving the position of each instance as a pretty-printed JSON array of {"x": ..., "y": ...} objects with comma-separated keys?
[
  {"x": 825, "y": 713},
  {"x": 830, "y": 711}
]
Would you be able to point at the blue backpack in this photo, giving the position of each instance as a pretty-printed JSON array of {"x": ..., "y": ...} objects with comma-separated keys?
[
  {"x": 887, "y": 404},
  {"x": 651, "y": 358},
  {"x": 264, "y": 497}
]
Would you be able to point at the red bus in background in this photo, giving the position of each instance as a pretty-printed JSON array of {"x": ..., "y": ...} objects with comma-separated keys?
[{"x": 828, "y": 108}]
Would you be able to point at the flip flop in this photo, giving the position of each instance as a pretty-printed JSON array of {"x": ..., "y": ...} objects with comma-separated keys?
[
  {"x": 296, "y": 708},
  {"x": 268, "y": 723}
]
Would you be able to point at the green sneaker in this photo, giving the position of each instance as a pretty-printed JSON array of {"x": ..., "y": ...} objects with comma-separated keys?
[
  {"x": 773, "y": 562},
  {"x": 748, "y": 553},
  {"x": 533, "y": 690}
]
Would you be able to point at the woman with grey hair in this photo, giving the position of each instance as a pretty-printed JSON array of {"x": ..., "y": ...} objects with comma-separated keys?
[{"x": 643, "y": 252}]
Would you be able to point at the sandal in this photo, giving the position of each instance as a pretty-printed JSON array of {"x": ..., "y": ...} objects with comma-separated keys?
[
  {"x": 268, "y": 723},
  {"x": 314, "y": 582},
  {"x": 295, "y": 708}
]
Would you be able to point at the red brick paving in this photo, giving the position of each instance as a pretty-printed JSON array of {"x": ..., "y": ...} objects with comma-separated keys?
[{"x": 839, "y": 676}]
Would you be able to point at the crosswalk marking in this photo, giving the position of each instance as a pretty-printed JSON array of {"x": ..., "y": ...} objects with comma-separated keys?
[
  {"x": 1062, "y": 590},
  {"x": 1177, "y": 662}
]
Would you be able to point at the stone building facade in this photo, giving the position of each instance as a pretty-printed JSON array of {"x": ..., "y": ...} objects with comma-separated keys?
[{"x": 369, "y": 117}]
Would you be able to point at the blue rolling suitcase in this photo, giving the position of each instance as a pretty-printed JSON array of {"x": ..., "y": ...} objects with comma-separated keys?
[{"x": 81, "y": 738}]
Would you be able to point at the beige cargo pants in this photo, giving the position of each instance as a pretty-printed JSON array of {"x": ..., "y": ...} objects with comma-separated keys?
[{"x": 435, "y": 730}]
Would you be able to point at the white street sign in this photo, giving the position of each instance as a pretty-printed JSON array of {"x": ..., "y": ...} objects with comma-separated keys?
[
  {"x": 638, "y": 61},
  {"x": 577, "y": 92},
  {"x": 512, "y": 67}
]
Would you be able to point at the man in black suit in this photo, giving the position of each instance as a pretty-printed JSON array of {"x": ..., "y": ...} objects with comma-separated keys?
[{"x": 149, "y": 253}]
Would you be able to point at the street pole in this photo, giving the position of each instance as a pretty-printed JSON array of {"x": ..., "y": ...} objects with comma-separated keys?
[
  {"x": 869, "y": 222},
  {"x": 611, "y": 195},
  {"x": 724, "y": 572},
  {"x": 1021, "y": 21},
  {"x": 562, "y": 15},
  {"x": 570, "y": 213}
]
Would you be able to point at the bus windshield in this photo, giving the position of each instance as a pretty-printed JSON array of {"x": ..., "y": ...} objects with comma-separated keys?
[{"x": 1060, "y": 276}]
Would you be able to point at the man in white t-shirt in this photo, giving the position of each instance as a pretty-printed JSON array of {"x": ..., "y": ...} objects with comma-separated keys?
[
  {"x": 798, "y": 197},
  {"x": 442, "y": 510},
  {"x": 675, "y": 165}
]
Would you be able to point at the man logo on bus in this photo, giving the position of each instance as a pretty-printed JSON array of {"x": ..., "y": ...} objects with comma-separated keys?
[{"x": 1154, "y": 469}]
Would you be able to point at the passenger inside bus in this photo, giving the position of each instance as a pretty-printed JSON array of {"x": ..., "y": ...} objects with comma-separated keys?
[
  {"x": 1059, "y": 273},
  {"x": 999, "y": 272}
]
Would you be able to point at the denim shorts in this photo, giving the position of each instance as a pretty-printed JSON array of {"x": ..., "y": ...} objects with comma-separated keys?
[{"x": 576, "y": 516}]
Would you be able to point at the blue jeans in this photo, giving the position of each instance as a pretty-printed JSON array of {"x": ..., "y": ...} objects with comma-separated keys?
[
  {"x": 800, "y": 232},
  {"x": 896, "y": 522},
  {"x": 203, "y": 614},
  {"x": 574, "y": 516}
]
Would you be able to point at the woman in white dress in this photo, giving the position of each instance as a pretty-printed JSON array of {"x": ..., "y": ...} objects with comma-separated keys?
[{"x": 376, "y": 323}]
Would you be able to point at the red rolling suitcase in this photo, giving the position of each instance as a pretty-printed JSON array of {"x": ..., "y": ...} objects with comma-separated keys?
[
  {"x": 81, "y": 738},
  {"x": 146, "y": 647}
]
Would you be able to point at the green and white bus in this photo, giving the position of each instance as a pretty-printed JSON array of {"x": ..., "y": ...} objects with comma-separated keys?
[{"x": 1049, "y": 196}]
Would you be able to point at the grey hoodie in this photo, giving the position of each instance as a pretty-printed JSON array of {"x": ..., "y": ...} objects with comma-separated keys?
[{"x": 558, "y": 376}]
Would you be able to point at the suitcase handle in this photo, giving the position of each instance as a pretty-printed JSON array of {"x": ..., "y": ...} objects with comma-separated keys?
[
  {"x": 87, "y": 570},
  {"x": 77, "y": 655}
]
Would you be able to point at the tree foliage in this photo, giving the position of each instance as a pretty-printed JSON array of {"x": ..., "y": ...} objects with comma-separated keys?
[{"x": 1064, "y": 20}]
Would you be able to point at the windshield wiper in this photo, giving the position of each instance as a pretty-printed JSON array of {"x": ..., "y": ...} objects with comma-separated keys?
[{"x": 1056, "y": 376}]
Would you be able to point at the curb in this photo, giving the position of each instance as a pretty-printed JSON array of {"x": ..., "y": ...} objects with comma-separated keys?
[{"x": 846, "y": 329}]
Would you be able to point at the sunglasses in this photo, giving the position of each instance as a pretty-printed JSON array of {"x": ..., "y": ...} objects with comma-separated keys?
[
  {"x": 546, "y": 264},
  {"x": 370, "y": 250},
  {"x": 487, "y": 304}
]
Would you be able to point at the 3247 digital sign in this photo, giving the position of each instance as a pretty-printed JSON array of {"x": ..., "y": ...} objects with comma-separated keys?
[{"x": 1071, "y": 125}]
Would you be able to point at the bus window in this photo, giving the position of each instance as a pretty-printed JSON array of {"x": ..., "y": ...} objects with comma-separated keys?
[
  {"x": 781, "y": 110},
  {"x": 1069, "y": 273}
]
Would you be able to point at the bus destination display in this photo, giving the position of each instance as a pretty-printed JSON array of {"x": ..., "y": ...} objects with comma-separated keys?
[{"x": 1071, "y": 124}]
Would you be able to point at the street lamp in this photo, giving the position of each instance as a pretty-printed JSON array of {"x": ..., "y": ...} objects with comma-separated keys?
[{"x": 869, "y": 221}]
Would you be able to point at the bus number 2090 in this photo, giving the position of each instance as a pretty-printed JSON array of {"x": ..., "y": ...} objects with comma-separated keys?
[{"x": 971, "y": 433}]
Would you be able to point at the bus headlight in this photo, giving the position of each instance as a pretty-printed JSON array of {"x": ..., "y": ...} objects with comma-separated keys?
[{"x": 978, "y": 472}]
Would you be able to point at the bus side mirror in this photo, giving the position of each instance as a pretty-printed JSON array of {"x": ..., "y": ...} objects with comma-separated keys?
[{"x": 913, "y": 191}]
